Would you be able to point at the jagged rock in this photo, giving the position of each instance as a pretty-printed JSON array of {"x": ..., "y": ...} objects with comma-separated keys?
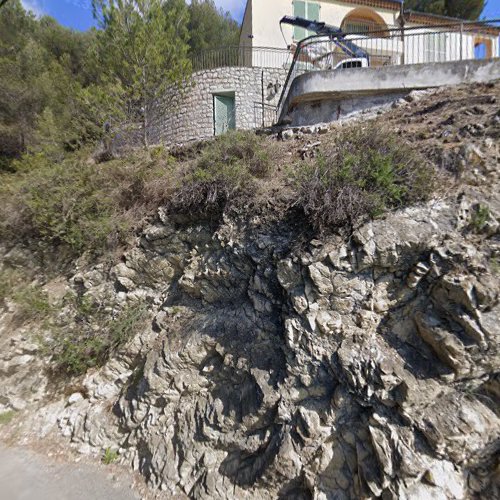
[
  {"x": 446, "y": 345},
  {"x": 287, "y": 134},
  {"x": 364, "y": 367}
]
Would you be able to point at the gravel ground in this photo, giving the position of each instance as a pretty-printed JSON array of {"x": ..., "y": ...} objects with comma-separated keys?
[{"x": 26, "y": 475}]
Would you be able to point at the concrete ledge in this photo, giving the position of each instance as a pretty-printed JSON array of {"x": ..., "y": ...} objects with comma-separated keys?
[{"x": 362, "y": 82}]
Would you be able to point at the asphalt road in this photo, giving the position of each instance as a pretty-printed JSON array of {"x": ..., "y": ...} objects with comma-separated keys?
[{"x": 26, "y": 475}]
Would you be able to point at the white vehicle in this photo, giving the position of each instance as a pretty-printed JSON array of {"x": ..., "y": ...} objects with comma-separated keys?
[
  {"x": 359, "y": 62},
  {"x": 356, "y": 56}
]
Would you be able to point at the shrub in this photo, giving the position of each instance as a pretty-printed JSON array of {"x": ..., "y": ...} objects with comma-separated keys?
[
  {"x": 73, "y": 203},
  {"x": 7, "y": 417},
  {"x": 94, "y": 338},
  {"x": 63, "y": 200},
  {"x": 495, "y": 265},
  {"x": 480, "y": 217},
  {"x": 363, "y": 173},
  {"x": 225, "y": 170},
  {"x": 33, "y": 302},
  {"x": 8, "y": 281}
]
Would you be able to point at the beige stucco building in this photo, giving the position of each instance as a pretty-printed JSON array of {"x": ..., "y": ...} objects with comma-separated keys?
[
  {"x": 428, "y": 38},
  {"x": 246, "y": 87}
]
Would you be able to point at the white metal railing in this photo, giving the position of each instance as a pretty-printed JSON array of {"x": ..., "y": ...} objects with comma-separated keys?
[{"x": 395, "y": 46}]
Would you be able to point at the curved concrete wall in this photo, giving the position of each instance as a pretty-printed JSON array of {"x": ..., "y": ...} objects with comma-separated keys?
[{"x": 358, "y": 83}]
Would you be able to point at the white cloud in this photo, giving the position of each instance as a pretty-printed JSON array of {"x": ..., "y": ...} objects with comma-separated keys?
[
  {"x": 82, "y": 4},
  {"x": 36, "y": 6}
]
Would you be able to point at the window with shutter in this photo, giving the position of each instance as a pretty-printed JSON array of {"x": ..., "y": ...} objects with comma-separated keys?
[
  {"x": 299, "y": 10},
  {"x": 307, "y": 10},
  {"x": 313, "y": 11}
]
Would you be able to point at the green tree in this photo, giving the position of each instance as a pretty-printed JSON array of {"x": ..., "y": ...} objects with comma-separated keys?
[
  {"x": 31, "y": 79},
  {"x": 210, "y": 27},
  {"x": 143, "y": 45},
  {"x": 463, "y": 9},
  {"x": 428, "y": 6},
  {"x": 45, "y": 73},
  {"x": 61, "y": 42}
]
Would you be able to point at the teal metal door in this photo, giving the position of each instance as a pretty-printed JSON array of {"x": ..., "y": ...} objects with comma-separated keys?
[{"x": 224, "y": 113}]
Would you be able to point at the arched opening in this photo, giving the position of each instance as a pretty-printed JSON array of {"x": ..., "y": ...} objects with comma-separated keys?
[
  {"x": 364, "y": 20},
  {"x": 483, "y": 48}
]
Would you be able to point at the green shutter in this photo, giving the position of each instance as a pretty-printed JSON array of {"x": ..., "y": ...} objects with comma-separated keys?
[
  {"x": 307, "y": 10},
  {"x": 313, "y": 11},
  {"x": 299, "y": 10},
  {"x": 312, "y": 14}
]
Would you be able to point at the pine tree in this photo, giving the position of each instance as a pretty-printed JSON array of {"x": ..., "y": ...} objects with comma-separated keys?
[
  {"x": 210, "y": 27},
  {"x": 23, "y": 78},
  {"x": 428, "y": 6},
  {"x": 143, "y": 45},
  {"x": 463, "y": 9}
]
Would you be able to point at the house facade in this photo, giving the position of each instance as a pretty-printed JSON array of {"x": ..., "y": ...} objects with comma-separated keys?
[
  {"x": 241, "y": 87},
  {"x": 427, "y": 38}
]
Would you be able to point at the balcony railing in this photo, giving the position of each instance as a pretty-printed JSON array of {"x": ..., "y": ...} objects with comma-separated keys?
[
  {"x": 395, "y": 46},
  {"x": 251, "y": 57}
]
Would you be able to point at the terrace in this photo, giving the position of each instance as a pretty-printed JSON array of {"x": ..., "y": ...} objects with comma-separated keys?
[{"x": 384, "y": 46}]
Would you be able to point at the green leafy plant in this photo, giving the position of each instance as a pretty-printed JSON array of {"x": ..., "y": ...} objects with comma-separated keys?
[
  {"x": 109, "y": 456},
  {"x": 94, "y": 338},
  {"x": 479, "y": 217},
  {"x": 33, "y": 302},
  {"x": 9, "y": 279},
  {"x": 364, "y": 172},
  {"x": 495, "y": 265},
  {"x": 7, "y": 416},
  {"x": 76, "y": 205}
]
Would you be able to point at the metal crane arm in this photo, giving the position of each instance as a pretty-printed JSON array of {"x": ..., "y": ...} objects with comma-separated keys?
[{"x": 336, "y": 34}]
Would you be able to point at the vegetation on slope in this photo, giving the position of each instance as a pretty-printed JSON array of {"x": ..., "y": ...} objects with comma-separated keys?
[
  {"x": 93, "y": 338},
  {"x": 79, "y": 206},
  {"x": 364, "y": 172},
  {"x": 58, "y": 87},
  {"x": 59, "y": 90},
  {"x": 79, "y": 333}
]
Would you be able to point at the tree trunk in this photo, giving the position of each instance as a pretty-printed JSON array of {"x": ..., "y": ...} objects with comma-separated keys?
[{"x": 145, "y": 124}]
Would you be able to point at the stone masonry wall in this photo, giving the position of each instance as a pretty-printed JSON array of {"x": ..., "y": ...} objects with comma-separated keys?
[{"x": 192, "y": 117}]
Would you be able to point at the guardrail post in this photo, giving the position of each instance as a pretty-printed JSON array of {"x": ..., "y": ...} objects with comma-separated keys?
[
  {"x": 402, "y": 45},
  {"x": 461, "y": 40},
  {"x": 262, "y": 83}
]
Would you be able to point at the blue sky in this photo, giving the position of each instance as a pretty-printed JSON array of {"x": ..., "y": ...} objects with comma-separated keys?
[{"x": 77, "y": 14}]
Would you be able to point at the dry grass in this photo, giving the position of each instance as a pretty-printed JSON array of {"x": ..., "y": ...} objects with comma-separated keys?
[
  {"x": 363, "y": 172},
  {"x": 79, "y": 206},
  {"x": 225, "y": 173}
]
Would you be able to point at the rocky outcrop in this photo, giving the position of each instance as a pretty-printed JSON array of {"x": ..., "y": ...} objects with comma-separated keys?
[
  {"x": 279, "y": 367},
  {"x": 357, "y": 369}
]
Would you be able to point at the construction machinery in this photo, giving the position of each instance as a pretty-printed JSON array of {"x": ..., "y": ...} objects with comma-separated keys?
[{"x": 327, "y": 58}]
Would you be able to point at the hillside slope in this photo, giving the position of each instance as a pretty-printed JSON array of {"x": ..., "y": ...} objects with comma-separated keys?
[{"x": 272, "y": 362}]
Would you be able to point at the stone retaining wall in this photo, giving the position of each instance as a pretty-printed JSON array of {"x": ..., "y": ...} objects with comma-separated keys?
[{"x": 192, "y": 117}]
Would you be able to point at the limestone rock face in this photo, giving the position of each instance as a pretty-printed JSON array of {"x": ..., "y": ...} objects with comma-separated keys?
[{"x": 360, "y": 368}]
